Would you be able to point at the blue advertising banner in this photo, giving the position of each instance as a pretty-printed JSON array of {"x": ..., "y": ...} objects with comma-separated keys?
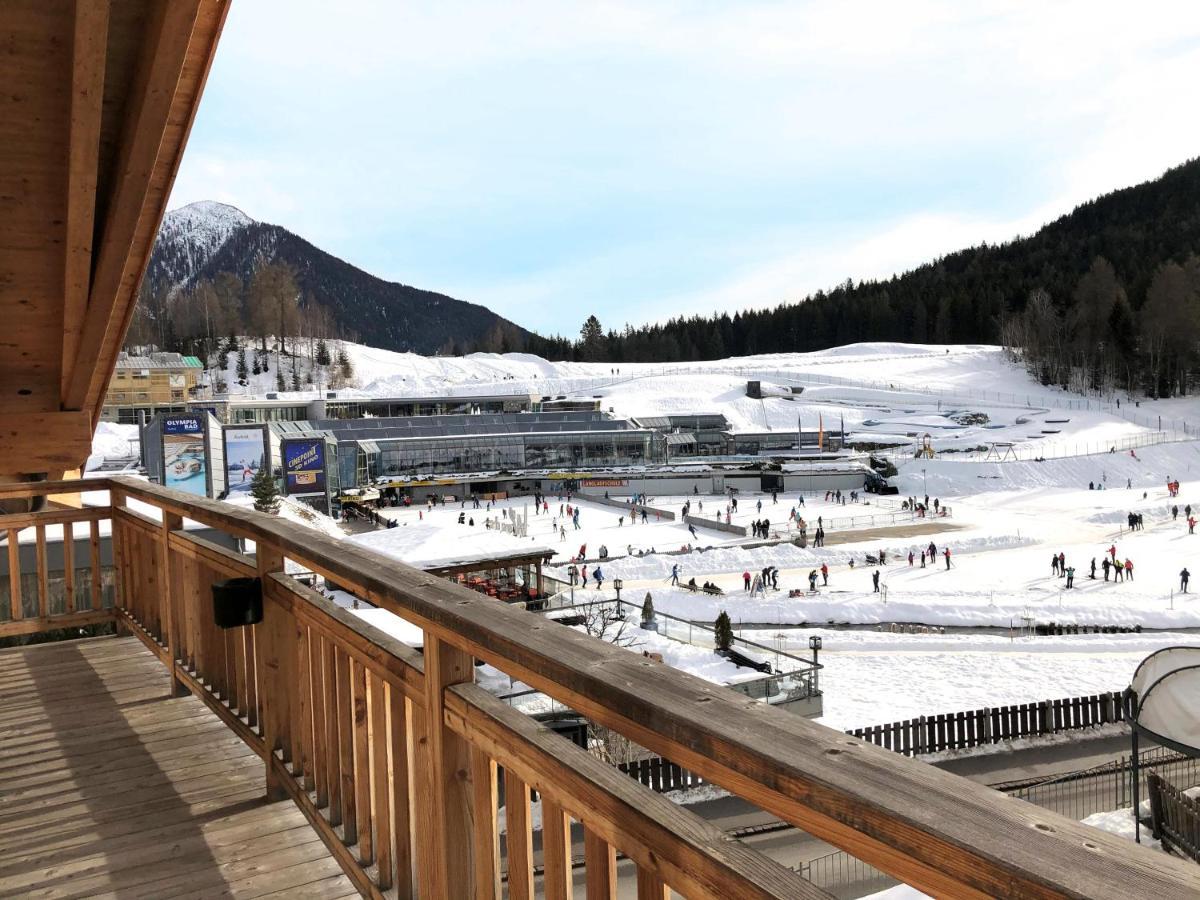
[
  {"x": 185, "y": 455},
  {"x": 182, "y": 424},
  {"x": 304, "y": 466}
]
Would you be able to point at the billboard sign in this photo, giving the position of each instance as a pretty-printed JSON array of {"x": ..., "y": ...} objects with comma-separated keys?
[
  {"x": 245, "y": 455},
  {"x": 185, "y": 454},
  {"x": 183, "y": 424},
  {"x": 304, "y": 466}
]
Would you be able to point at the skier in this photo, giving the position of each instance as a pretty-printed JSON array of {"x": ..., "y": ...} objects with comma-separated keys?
[
  {"x": 1191, "y": 524},
  {"x": 1054, "y": 564},
  {"x": 824, "y": 574},
  {"x": 1106, "y": 565},
  {"x": 947, "y": 554},
  {"x": 1092, "y": 576},
  {"x": 812, "y": 581},
  {"x": 1183, "y": 580},
  {"x": 911, "y": 558},
  {"x": 1174, "y": 512},
  {"x": 1062, "y": 564},
  {"x": 922, "y": 559},
  {"x": 875, "y": 580},
  {"x": 1070, "y": 577},
  {"x": 599, "y": 576},
  {"x": 675, "y": 574},
  {"x": 1128, "y": 569},
  {"x": 746, "y": 581},
  {"x": 692, "y": 529}
]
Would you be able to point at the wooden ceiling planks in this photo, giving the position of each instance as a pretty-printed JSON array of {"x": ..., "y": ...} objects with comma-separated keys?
[
  {"x": 35, "y": 70},
  {"x": 97, "y": 104},
  {"x": 89, "y": 53}
]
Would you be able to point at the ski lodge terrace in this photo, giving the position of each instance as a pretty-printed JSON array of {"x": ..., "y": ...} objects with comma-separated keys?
[{"x": 307, "y": 754}]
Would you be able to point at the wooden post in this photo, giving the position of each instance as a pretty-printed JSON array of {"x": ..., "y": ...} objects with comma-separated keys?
[
  {"x": 14, "y": 575},
  {"x": 650, "y": 886},
  {"x": 68, "y": 554},
  {"x": 170, "y": 593},
  {"x": 601, "y": 861},
  {"x": 556, "y": 851},
  {"x": 273, "y": 634},
  {"x": 43, "y": 581},
  {"x": 121, "y": 574},
  {"x": 520, "y": 838},
  {"x": 485, "y": 788},
  {"x": 443, "y": 790}
]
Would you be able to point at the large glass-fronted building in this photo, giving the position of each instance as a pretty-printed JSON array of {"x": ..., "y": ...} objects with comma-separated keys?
[{"x": 369, "y": 449}]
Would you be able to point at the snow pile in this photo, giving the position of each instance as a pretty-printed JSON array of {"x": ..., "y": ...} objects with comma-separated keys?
[
  {"x": 430, "y": 546},
  {"x": 112, "y": 441}
]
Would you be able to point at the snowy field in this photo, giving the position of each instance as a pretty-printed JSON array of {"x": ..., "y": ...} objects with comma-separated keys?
[{"x": 1008, "y": 518}]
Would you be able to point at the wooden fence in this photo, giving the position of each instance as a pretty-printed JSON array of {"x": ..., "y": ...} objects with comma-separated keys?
[
  {"x": 991, "y": 725},
  {"x": 393, "y": 754},
  {"x": 1174, "y": 816}
]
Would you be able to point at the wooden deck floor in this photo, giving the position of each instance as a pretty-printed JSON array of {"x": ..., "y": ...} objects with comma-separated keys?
[{"x": 109, "y": 788}]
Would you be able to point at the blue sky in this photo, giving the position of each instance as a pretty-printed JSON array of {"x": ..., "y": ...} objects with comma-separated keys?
[{"x": 643, "y": 160}]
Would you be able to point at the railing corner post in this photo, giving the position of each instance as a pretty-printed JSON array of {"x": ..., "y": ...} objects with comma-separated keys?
[
  {"x": 443, "y": 776},
  {"x": 170, "y": 600}
]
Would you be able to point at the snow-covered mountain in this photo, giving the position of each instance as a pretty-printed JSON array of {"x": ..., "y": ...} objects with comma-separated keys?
[
  {"x": 198, "y": 241},
  {"x": 189, "y": 237}
]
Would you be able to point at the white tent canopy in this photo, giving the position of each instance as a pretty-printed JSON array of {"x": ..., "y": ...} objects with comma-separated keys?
[{"x": 1166, "y": 688}]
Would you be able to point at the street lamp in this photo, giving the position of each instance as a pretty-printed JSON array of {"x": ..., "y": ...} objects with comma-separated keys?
[
  {"x": 924, "y": 484},
  {"x": 617, "y": 585},
  {"x": 814, "y": 644}
]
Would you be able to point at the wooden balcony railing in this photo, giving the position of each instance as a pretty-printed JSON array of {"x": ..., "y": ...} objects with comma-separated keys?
[{"x": 394, "y": 755}]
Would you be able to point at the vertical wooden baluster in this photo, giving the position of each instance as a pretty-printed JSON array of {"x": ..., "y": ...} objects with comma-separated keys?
[
  {"x": 15, "y": 606},
  {"x": 296, "y": 703},
  {"x": 362, "y": 763},
  {"x": 304, "y": 698},
  {"x": 274, "y": 634},
  {"x": 253, "y": 676},
  {"x": 399, "y": 758},
  {"x": 442, "y": 761},
  {"x": 68, "y": 552},
  {"x": 601, "y": 860},
  {"x": 333, "y": 770},
  {"x": 43, "y": 582},
  {"x": 120, "y": 593},
  {"x": 650, "y": 886},
  {"x": 320, "y": 757},
  {"x": 97, "y": 574},
  {"x": 381, "y": 791},
  {"x": 241, "y": 697},
  {"x": 485, "y": 825},
  {"x": 170, "y": 590},
  {"x": 556, "y": 851},
  {"x": 520, "y": 838},
  {"x": 345, "y": 745}
]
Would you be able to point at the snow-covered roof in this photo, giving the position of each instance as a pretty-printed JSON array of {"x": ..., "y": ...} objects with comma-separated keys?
[{"x": 428, "y": 546}]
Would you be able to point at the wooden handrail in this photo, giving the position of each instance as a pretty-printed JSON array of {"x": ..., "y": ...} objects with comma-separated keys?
[{"x": 941, "y": 833}]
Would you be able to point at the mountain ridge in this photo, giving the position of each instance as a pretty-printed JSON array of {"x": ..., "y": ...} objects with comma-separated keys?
[{"x": 201, "y": 240}]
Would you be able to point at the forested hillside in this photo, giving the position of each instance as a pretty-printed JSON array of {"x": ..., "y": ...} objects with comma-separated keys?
[
  {"x": 216, "y": 272},
  {"x": 1117, "y": 302}
]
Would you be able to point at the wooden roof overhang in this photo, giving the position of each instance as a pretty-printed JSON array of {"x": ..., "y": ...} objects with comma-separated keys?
[{"x": 96, "y": 102}]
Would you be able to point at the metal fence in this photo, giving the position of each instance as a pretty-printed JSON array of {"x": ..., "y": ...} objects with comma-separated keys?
[{"x": 1075, "y": 795}]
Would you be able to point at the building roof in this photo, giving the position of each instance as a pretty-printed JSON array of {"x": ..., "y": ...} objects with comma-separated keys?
[
  {"x": 158, "y": 361},
  {"x": 427, "y": 546}
]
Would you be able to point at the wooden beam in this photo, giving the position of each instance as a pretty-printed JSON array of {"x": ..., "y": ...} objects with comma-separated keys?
[
  {"x": 181, "y": 40},
  {"x": 87, "y": 104},
  {"x": 44, "y": 442}
]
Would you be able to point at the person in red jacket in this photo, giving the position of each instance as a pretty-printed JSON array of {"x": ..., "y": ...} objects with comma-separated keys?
[
  {"x": 946, "y": 553},
  {"x": 824, "y": 574},
  {"x": 746, "y": 581}
]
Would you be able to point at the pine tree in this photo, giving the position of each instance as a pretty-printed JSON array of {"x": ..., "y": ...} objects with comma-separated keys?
[
  {"x": 265, "y": 493},
  {"x": 648, "y": 608},
  {"x": 243, "y": 374},
  {"x": 280, "y": 384},
  {"x": 724, "y": 631},
  {"x": 295, "y": 375},
  {"x": 323, "y": 357},
  {"x": 343, "y": 361},
  {"x": 257, "y": 369}
]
